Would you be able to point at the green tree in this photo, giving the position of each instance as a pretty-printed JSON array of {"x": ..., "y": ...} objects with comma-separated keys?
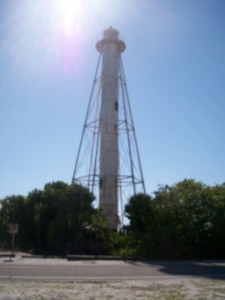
[
  {"x": 12, "y": 212},
  {"x": 61, "y": 217},
  {"x": 185, "y": 220},
  {"x": 53, "y": 220},
  {"x": 141, "y": 212}
]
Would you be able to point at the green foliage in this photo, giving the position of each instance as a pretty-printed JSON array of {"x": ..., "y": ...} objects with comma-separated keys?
[
  {"x": 183, "y": 221},
  {"x": 123, "y": 244},
  {"x": 186, "y": 220},
  {"x": 58, "y": 220}
]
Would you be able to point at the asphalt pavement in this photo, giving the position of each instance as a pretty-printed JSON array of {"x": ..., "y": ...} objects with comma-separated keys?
[{"x": 61, "y": 269}]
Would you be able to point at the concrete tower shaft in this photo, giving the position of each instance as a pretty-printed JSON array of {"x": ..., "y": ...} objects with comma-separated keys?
[{"x": 110, "y": 47}]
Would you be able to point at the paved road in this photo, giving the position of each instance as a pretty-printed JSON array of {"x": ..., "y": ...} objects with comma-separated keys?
[{"x": 92, "y": 271}]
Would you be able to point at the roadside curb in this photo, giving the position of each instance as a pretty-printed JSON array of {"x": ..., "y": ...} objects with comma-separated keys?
[{"x": 7, "y": 255}]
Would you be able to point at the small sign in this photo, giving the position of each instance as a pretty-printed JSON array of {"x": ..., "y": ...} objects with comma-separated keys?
[{"x": 13, "y": 228}]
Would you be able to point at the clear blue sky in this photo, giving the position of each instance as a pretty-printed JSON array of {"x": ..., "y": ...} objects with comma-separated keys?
[{"x": 175, "y": 70}]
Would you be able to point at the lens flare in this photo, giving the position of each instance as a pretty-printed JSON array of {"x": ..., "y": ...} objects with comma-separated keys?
[{"x": 71, "y": 14}]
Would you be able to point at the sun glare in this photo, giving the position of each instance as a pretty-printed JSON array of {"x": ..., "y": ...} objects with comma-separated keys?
[
  {"x": 54, "y": 31},
  {"x": 71, "y": 14}
]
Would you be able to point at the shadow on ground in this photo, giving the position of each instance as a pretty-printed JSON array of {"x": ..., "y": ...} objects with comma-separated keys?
[{"x": 204, "y": 269}]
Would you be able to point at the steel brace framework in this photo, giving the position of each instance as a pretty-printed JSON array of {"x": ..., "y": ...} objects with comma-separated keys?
[{"x": 86, "y": 172}]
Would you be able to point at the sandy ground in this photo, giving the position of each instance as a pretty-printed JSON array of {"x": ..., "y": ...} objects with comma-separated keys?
[
  {"x": 171, "y": 289},
  {"x": 166, "y": 287}
]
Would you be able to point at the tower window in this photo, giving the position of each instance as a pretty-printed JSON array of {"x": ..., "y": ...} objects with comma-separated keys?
[{"x": 101, "y": 183}]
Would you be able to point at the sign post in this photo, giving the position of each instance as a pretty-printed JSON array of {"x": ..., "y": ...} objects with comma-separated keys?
[{"x": 13, "y": 229}]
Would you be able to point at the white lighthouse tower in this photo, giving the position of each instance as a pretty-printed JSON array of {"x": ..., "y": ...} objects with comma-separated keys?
[
  {"x": 110, "y": 47},
  {"x": 108, "y": 122}
]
